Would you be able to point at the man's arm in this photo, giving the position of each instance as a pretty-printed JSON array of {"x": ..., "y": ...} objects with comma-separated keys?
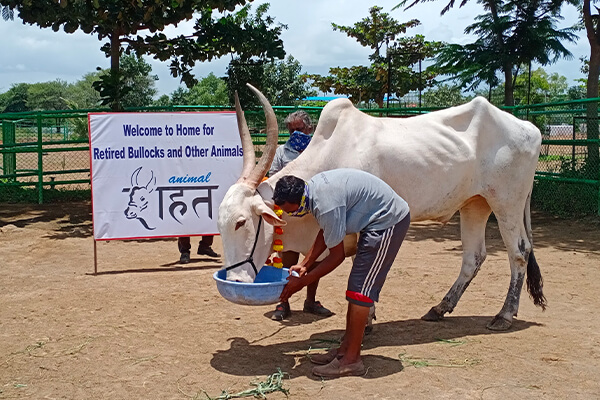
[
  {"x": 334, "y": 258},
  {"x": 277, "y": 164},
  {"x": 315, "y": 251}
]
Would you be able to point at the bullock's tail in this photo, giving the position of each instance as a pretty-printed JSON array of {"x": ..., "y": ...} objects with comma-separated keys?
[{"x": 535, "y": 283}]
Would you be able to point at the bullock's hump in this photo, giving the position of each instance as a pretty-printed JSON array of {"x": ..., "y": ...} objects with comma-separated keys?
[
  {"x": 341, "y": 103},
  {"x": 334, "y": 112}
]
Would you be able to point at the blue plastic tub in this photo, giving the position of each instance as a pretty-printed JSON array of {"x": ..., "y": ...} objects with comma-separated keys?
[{"x": 265, "y": 289}]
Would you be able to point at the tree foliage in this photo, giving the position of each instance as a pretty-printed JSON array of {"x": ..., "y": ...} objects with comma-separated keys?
[
  {"x": 390, "y": 73},
  {"x": 239, "y": 72},
  {"x": 60, "y": 95},
  {"x": 137, "y": 27},
  {"x": 541, "y": 87},
  {"x": 375, "y": 31},
  {"x": 511, "y": 33},
  {"x": 209, "y": 91},
  {"x": 15, "y": 99},
  {"x": 47, "y": 96},
  {"x": 281, "y": 81},
  {"x": 592, "y": 27},
  {"x": 444, "y": 95},
  {"x": 81, "y": 94},
  {"x": 137, "y": 75}
]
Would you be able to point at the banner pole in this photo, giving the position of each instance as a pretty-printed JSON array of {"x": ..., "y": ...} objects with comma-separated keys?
[{"x": 95, "y": 258}]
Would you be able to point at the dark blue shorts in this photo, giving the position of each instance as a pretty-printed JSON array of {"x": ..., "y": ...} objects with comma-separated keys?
[{"x": 374, "y": 257}]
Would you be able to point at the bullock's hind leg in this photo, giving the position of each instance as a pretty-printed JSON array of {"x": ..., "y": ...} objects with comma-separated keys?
[
  {"x": 473, "y": 219},
  {"x": 517, "y": 243}
]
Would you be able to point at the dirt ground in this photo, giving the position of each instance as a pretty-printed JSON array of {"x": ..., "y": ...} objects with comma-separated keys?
[{"x": 147, "y": 328}]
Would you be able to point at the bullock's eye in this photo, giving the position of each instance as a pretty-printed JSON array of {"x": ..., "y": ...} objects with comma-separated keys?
[{"x": 240, "y": 224}]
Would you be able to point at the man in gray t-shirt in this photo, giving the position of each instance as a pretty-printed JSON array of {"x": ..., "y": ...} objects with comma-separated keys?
[
  {"x": 300, "y": 127},
  {"x": 345, "y": 201}
]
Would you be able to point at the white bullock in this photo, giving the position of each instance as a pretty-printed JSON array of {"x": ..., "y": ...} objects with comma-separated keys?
[{"x": 473, "y": 158}]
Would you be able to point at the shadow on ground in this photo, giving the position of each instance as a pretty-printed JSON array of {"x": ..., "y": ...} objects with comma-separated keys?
[
  {"x": 172, "y": 267},
  {"x": 245, "y": 358}
]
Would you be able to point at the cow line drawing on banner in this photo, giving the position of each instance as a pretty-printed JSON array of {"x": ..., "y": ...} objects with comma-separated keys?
[{"x": 139, "y": 197}]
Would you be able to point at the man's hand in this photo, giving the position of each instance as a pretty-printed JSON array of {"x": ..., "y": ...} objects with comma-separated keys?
[
  {"x": 294, "y": 285},
  {"x": 299, "y": 269}
]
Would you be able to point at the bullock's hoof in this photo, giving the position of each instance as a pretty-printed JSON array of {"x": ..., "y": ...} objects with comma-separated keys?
[
  {"x": 432, "y": 315},
  {"x": 499, "y": 324}
]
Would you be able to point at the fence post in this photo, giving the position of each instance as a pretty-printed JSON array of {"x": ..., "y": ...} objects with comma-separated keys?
[
  {"x": 9, "y": 159},
  {"x": 40, "y": 160}
]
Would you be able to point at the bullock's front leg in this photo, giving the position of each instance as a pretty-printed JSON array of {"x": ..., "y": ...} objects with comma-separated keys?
[
  {"x": 519, "y": 248},
  {"x": 473, "y": 219}
]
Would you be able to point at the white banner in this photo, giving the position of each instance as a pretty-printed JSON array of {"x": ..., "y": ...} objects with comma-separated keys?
[{"x": 161, "y": 174}]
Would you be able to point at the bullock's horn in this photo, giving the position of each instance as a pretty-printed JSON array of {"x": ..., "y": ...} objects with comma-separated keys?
[
  {"x": 247, "y": 146},
  {"x": 261, "y": 169},
  {"x": 135, "y": 176}
]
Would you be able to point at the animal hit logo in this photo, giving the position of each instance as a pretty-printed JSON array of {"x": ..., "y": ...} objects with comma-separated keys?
[{"x": 139, "y": 197}]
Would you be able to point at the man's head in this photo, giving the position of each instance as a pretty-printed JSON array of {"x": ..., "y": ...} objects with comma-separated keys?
[
  {"x": 299, "y": 121},
  {"x": 289, "y": 193}
]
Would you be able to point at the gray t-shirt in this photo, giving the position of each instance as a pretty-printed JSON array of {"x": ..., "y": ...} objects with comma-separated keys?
[
  {"x": 283, "y": 155},
  {"x": 345, "y": 201}
]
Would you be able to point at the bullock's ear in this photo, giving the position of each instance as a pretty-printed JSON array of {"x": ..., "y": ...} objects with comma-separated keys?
[
  {"x": 273, "y": 219},
  {"x": 268, "y": 215}
]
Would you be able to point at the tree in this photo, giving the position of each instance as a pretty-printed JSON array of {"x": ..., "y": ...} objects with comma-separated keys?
[
  {"x": 576, "y": 92},
  {"x": 136, "y": 27},
  {"x": 360, "y": 83},
  {"x": 375, "y": 31},
  {"x": 162, "y": 101},
  {"x": 59, "y": 95},
  {"x": 15, "y": 99},
  {"x": 179, "y": 96},
  {"x": 81, "y": 94},
  {"x": 540, "y": 87},
  {"x": 210, "y": 91},
  {"x": 444, "y": 95},
  {"x": 239, "y": 72},
  {"x": 390, "y": 73},
  {"x": 281, "y": 81},
  {"x": 47, "y": 96},
  {"x": 137, "y": 77},
  {"x": 592, "y": 28},
  {"x": 511, "y": 33}
]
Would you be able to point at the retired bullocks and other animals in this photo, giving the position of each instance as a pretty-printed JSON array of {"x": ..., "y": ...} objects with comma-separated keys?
[{"x": 473, "y": 158}]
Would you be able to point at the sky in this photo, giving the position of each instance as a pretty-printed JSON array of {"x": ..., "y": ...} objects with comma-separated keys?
[{"x": 30, "y": 54}]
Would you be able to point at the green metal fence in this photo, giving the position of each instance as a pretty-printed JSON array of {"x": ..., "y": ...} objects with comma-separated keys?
[
  {"x": 47, "y": 150},
  {"x": 568, "y": 173}
]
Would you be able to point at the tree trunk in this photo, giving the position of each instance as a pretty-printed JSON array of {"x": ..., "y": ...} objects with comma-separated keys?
[
  {"x": 593, "y": 161},
  {"x": 509, "y": 93},
  {"x": 509, "y": 99},
  {"x": 115, "y": 54}
]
